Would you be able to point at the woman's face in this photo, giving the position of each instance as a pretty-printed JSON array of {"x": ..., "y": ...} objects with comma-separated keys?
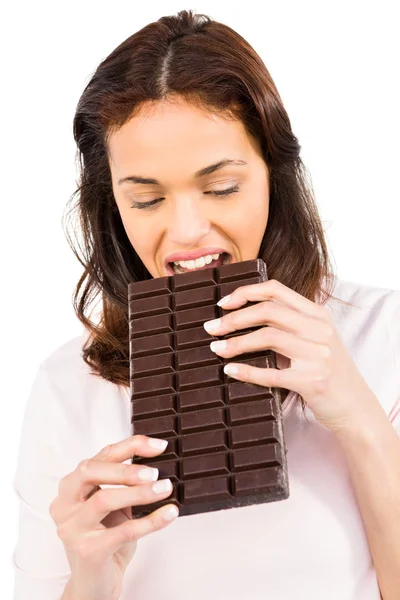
[{"x": 176, "y": 215}]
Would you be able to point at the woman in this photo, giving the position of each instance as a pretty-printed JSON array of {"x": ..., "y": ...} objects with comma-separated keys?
[{"x": 187, "y": 153}]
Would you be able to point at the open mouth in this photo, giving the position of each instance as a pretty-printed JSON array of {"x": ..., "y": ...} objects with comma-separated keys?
[{"x": 210, "y": 261}]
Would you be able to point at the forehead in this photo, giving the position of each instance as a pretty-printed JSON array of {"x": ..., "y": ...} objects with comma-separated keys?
[{"x": 164, "y": 130}]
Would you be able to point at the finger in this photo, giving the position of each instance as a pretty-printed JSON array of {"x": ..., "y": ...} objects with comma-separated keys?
[
  {"x": 102, "y": 544},
  {"x": 137, "y": 528},
  {"x": 136, "y": 445},
  {"x": 262, "y": 313},
  {"x": 75, "y": 486},
  {"x": 276, "y": 291},
  {"x": 105, "y": 501},
  {"x": 91, "y": 473},
  {"x": 267, "y": 338},
  {"x": 288, "y": 379}
]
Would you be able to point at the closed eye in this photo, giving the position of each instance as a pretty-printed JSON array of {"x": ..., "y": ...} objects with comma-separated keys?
[
  {"x": 224, "y": 192},
  {"x": 227, "y": 192}
]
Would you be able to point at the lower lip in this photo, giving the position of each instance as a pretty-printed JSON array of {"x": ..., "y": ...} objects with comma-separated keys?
[{"x": 215, "y": 263}]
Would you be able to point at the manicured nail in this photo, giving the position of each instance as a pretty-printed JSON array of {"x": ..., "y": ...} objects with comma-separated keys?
[
  {"x": 170, "y": 513},
  {"x": 231, "y": 370},
  {"x": 212, "y": 325},
  {"x": 224, "y": 300},
  {"x": 158, "y": 444},
  {"x": 148, "y": 474},
  {"x": 164, "y": 485},
  {"x": 218, "y": 346}
]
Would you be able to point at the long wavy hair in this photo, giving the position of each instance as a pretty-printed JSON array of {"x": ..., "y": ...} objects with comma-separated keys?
[{"x": 210, "y": 65}]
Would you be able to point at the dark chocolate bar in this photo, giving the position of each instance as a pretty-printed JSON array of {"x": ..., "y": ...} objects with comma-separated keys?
[{"x": 225, "y": 438}]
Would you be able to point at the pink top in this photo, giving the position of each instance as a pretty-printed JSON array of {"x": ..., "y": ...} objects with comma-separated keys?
[{"x": 311, "y": 546}]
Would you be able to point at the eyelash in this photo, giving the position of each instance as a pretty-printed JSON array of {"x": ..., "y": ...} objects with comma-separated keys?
[{"x": 219, "y": 193}]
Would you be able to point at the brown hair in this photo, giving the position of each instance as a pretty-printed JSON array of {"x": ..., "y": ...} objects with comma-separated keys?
[{"x": 209, "y": 64}]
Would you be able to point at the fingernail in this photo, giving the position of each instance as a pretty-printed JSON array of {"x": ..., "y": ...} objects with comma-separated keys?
[
  {"x": 164, "y": 485},
  {"x": 156, "y": 443},
  {"x": 218, "y": 346},
  {"x": 212, "y": 325},
  {"x": 148, "y": 474},
  {"x": 170, "y": 513},
  {"x": 231, "y": 370},
  {"x": 224, "y": 300}
]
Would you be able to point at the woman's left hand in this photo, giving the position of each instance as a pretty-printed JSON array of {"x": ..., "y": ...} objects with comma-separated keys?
[{"x": 321, "y": 369}]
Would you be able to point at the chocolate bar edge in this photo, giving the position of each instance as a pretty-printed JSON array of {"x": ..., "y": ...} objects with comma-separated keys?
[{"x": 282, "y": 487}]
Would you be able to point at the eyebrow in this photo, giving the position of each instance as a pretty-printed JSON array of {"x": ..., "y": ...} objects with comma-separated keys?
[{"x": 198, "y": 175}]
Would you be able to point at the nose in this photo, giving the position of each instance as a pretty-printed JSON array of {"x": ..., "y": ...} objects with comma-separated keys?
[{"x": 187, "y": 223}]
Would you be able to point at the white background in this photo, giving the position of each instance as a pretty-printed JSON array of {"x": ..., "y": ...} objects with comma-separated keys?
[{"x": 336, "y": 67}]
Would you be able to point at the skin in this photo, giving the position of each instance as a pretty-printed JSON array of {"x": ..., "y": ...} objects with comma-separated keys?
[{"x": 170, "y": 142}]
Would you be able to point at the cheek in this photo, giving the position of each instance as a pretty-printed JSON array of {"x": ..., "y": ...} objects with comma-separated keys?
[
  {"x": 246, "y": 228},
  {"x": 141, "y": 237},
  {"x": 144, "y": 233},
  {"x": 258, "y": 221},
  {"x": 245, "y": 221},
  {"x": 256, "y": 215}
]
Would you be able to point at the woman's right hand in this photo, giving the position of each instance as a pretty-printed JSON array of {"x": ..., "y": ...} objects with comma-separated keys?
[{"x": 96, "y": 525}]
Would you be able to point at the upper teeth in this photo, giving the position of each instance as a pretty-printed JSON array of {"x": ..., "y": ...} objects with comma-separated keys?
[{"x": 198, "y": 262}]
